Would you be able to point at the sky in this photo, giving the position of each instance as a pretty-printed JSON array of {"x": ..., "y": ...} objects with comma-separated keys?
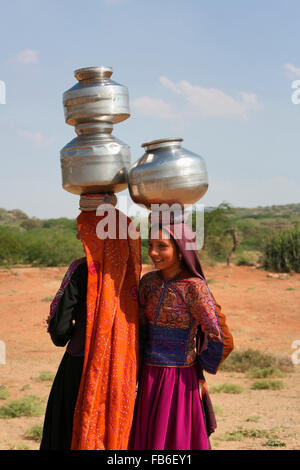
[{"x": 218, "y": 74}]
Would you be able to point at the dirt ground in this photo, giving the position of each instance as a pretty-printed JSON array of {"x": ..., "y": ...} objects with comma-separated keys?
[{"x": 262, "y": 312}]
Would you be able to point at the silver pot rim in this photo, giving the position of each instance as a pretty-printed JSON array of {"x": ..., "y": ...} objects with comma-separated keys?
[
  {"x": 167, "y": 142},
  {"x": 100, "y": 71},
  {"x": 102, "y": 127}
]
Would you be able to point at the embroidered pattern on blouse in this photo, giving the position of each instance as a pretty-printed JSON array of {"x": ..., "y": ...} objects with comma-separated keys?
[{"x": 173, "y": 310}]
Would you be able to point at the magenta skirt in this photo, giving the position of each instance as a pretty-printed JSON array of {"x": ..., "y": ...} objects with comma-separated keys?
[{"x": 168, "y": 412}]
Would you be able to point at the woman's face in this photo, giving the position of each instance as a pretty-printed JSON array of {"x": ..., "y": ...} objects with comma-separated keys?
[{"x": 162, "y": 251}]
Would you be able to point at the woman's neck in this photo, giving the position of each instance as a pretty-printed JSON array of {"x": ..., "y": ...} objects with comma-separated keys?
[
  {"x": 180, "y": 272},
  {"x": 170, "y": 273}
]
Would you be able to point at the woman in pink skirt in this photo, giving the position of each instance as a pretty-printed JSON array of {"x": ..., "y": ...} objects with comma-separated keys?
[{"x": 173, "y": 410}]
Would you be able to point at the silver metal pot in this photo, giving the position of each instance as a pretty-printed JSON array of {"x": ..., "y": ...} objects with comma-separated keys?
[
  {"x": 167, "y": 173},
  {"x": 95, "y": 161},
  {"x": 95, "y": 97}
]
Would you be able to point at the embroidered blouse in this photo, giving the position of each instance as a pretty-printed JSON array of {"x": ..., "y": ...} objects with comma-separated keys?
[{"x": 170, "y": 312}]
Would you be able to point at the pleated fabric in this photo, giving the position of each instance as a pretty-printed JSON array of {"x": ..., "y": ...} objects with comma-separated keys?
[
  {"x": 105, "y": 404},
  {"x": 168, "y": 413}
]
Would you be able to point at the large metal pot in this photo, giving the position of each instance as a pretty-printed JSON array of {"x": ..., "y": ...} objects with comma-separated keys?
[
  {"x": 95, "y": 97},
  {"x": 95, "y": 161},
  {"x": 167, "y": 173}
]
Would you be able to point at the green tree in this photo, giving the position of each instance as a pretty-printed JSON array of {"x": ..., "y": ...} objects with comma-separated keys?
[{"x": 221, "y": 236}]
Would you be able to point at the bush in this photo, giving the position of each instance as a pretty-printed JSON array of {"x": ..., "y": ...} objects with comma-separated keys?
[
  {"x": 217, "y": 221},
  {"x": 267, "y": 385},
  {"x": 252, "y": 419},
  {"x": 27, "y": 406},
  {"x": 45, "y": 376},
  {"x": 51, "y": 249},
  {"x": 281, "y": 252},
  {"x": 11, "y": 247},
  {"x": 40, "y": 248},
  {"x": 4, "y": 394},
  {"x": 241, "y": 433},
  {"x": 244, "y": 261},
  {"x": 35, "y": 433},
  {"x": 62, "y": 224},
  {"x": 243, "y": 361},
  {"x": 44, "y": 243},
  {"x": 31, "y": 223},
  {"x": 274, "y": 443},
  {"x": 227, "y": 388},
  {"x": 258, "y": 373}
]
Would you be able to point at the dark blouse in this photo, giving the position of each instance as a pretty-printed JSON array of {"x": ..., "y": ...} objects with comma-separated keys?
[{"x": 68, "y": 323}]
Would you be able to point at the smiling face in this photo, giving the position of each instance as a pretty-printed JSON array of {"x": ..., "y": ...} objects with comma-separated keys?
[{"x": 163, "y": 252}]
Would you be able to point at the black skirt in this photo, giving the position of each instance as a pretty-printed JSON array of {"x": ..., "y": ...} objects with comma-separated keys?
[{"x": 58, "y": 423}]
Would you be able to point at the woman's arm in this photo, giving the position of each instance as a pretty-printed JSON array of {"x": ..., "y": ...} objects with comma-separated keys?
[
  {"x": 203, "y": 309},
  {"x": 228, "y": 344},
  {"x": 61, "y": 324}
]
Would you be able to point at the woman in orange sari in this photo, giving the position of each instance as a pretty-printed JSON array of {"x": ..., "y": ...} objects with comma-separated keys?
[{"x": 105, "y": 401}]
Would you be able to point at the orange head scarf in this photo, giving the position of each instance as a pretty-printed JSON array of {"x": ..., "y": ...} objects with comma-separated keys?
[{"x": 105, "y": 403}]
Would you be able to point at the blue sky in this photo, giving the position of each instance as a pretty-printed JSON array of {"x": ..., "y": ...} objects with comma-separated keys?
[{"x": 217, "y": 74}]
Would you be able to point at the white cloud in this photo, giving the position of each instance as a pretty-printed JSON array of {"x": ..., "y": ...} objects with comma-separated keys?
[
  {"x": 153, "y": 107},
  {"x": 38, "y": 140},
  {"x": 213, "y": 102},
  {"x": 250, "y": 99},
  {"x": 27, "y": 56},
  {"x": 168, "y": 84},
  {"x": 292, "y": 71}
]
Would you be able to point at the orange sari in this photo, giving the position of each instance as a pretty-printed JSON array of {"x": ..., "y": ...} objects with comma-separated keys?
[{"x": 105, "y": 404}]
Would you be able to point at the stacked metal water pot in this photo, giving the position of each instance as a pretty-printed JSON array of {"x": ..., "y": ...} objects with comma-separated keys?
[
  {"x": 167, "y": 173},
  {"x": 95, "y": 161}
]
